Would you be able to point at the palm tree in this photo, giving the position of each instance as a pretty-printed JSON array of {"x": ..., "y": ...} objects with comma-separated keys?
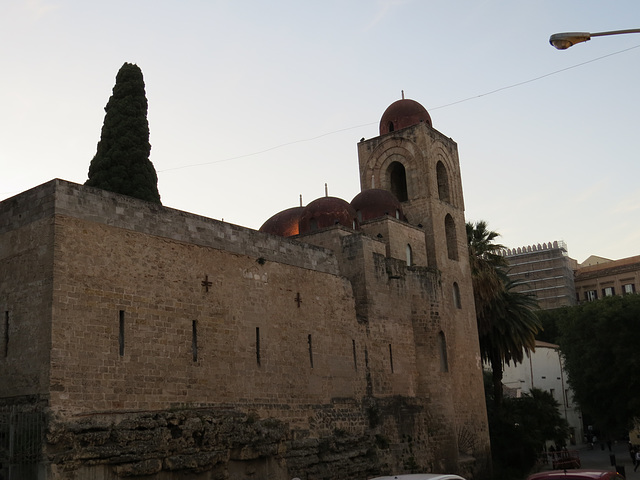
[
  {"x": 487, "y": 270},
  {"x": 513, "y": 327},
  {"x": 507, "y": 322}
]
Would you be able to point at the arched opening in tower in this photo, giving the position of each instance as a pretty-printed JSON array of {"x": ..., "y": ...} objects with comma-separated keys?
[
  {"x": 452, "y": 237},
  {"x": 443, "y": 182},
  {"x": 398, "y": 181}
]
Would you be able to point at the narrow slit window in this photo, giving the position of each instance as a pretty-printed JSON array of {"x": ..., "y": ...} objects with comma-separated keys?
[
  {"x": 456, "y": 295},
  {"x": 355, "y": 359},
  {"x": 194, "y": 340},
  {"x": 452, "y": 237},
  {"x": 6, "y": 333},
  {"x": 258, "y": 345},
  {"x": 391, "y": 358},
  {"x": 121, "y": 333},
  {"x": 310, "y": 350},
  {"x": 442, "y": 344}
]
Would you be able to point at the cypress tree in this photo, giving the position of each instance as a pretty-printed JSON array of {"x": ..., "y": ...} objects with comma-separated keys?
[{"x": 121, "y": 163}]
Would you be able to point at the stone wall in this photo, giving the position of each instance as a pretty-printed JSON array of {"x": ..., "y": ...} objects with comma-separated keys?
[
  {"x": 183, "y": 344},
  {"x": 26, "y": 261}
]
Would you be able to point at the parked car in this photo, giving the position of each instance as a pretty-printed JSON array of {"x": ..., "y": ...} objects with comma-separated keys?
[
  {"x": 563, "y": 459},
  {"x": 584, "y": 474},
  {"x": 421, "y": 476}
]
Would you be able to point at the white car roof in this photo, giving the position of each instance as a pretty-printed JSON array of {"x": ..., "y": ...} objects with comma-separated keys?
[{"x": 421, "y": 476}]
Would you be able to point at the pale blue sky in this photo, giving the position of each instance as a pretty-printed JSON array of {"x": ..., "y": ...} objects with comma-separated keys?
[{"x": 253, "y": 103}]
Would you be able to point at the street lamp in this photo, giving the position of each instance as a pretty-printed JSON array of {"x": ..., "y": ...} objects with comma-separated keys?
[{"x": 562, "y": 41}]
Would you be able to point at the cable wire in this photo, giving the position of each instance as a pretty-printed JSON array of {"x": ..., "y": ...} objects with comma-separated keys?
[{"x": 373, "y": 123}]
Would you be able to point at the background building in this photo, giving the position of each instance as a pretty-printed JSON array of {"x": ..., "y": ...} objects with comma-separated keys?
[
  {"x": 545, "y": 271},
  {"x": 544, "y": 369},
  {"x": 598, "y": 278}
]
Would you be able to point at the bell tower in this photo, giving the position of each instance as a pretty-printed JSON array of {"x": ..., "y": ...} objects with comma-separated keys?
[{"x": 420, "y": 166}]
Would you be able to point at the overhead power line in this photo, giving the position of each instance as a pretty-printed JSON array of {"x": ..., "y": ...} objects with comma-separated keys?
[{"x": 303, "y": 140}]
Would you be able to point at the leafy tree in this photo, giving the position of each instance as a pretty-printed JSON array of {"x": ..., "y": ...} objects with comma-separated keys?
[
  {"x": 599, "y": 341},
  {"x": 550, "y": 321},
  {"x": 507, "y": 323},
  {"x": 121, "y": 163}
]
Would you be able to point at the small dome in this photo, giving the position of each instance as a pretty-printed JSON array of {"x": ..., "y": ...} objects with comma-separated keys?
[
  {"x": 326, "y": 212},
  {"x": 402, "y": 114},
  {"x": 376, "y": 203},
  {"x": 284, "y": 223}
]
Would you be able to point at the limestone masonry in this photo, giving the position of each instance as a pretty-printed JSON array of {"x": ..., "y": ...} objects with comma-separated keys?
[{"x": 339, "y": 342}]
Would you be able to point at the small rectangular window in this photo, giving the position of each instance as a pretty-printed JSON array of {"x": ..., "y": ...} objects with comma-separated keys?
[
  {"x": 628, "y": 289},
  {"x": 591, "y": 295},
  {"x": 608, "y": 292}
]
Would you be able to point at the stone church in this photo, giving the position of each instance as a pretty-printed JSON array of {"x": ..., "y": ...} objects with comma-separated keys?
[{"x": 337, "y": 342}]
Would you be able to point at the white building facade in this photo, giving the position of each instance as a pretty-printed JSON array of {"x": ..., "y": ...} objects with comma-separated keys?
[{"x": 543, "y": 369}]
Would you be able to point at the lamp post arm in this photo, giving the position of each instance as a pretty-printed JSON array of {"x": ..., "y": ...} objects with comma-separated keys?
[
  {"x": 616, "y": 32},
  {"x": 562, "y": 41}
]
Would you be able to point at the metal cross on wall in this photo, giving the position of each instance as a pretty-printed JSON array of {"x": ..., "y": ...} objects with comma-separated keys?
[{"x": 206, "y": 283}]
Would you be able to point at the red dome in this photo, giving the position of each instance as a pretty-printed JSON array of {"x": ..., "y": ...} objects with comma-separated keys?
[
  {"x": 402, "y": 114},
  {"x": 376, "y": 203},
  {"x": 326, "y": 212},
  {"x": 284, "y": 224}
]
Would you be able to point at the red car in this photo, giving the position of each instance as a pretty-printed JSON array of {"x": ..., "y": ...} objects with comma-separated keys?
[{"x": 584, "y": 474}]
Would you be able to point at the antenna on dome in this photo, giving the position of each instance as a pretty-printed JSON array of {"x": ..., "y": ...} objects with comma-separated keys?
[
  {"x": 402, "y": 94},
  {"x": 300, "y": 199},
  {"x": 326, "y": 190}
]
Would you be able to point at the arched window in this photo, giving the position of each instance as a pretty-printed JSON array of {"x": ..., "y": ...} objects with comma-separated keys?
[
  {"x": 442, "y": 347},
  {"x": 398, "y": 181},
  {"x": 391, "y": 129},
  {"x": 313, "y": 224},
  {"x": 456, "y": 295},
  {"x": 443, "y": 182},
  {"x": 452, "y": 237},
  {"x": 409, "y": 256}
]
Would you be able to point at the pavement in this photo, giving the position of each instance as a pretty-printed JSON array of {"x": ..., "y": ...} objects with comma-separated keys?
[{"x": 600, "y": 457}]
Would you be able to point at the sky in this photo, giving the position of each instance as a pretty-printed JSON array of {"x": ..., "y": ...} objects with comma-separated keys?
[{"x": 254, "y": 103}]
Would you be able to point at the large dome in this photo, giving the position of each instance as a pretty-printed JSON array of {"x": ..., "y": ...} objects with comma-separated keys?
[
  {"x": 284, "y": 223},
  {"x": 326, "y": 212},
  {"x": 402, "y": 114},
  {"x": 376, "y": 203}
]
